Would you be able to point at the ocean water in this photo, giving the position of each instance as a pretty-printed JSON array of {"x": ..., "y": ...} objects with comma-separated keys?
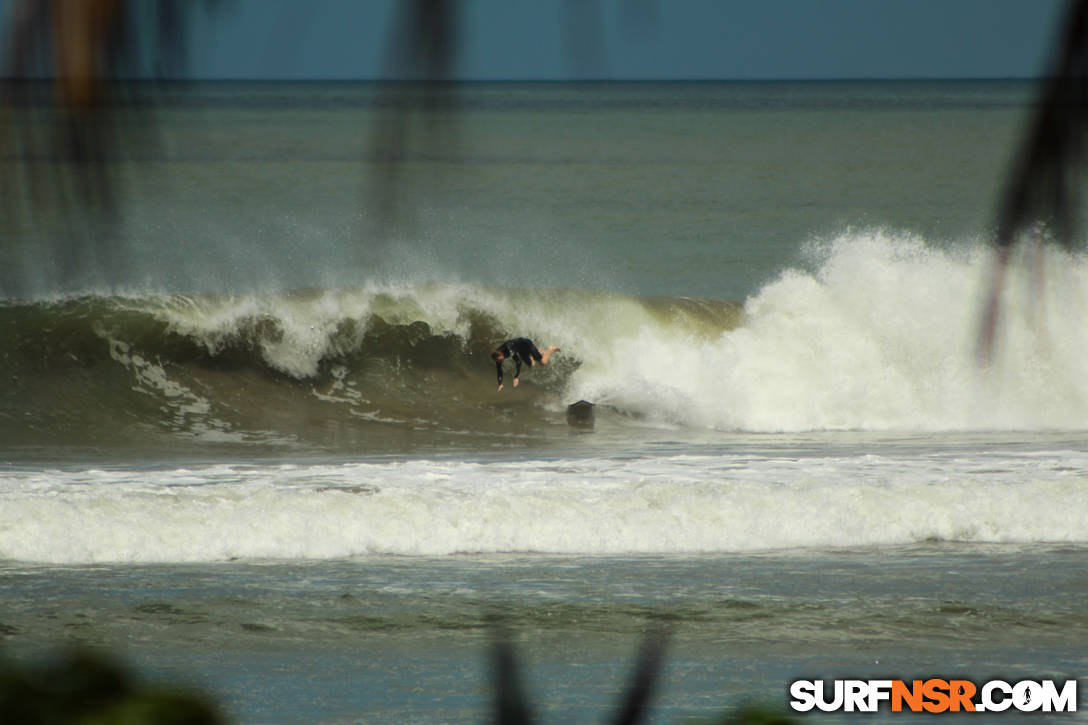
[{"x": 250, "y": 438}]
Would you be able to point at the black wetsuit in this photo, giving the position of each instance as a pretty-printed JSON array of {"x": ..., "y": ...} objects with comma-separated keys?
[{"x": 521, "y": 349}]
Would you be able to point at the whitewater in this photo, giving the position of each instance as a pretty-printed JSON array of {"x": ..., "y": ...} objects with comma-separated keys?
[{"x": 671, "y": 504}]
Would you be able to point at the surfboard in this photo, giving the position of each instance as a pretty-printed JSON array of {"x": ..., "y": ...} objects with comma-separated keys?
[{"x": 580, "y": 414}]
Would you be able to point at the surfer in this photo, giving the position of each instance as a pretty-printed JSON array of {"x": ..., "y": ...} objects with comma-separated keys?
[{"x": 521, "y": 349}]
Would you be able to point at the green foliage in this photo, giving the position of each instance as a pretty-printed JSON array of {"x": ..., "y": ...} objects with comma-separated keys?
[{"x": 85, "y": 688}]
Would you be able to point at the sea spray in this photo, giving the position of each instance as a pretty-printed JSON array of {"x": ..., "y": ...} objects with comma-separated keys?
[{"x": 880, "y": 336}]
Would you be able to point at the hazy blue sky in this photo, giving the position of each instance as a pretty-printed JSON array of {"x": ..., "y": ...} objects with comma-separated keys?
[
  {"x": 749, "y": 39},
  {"x": 697, "y": 39}
]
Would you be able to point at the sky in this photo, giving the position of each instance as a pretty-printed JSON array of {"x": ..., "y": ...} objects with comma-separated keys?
[
  {"x": 647, "y": 39},
  {"x": 638, "y": 39}
]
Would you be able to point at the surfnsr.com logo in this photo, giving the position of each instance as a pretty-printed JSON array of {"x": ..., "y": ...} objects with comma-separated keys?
[{"x": 933, "y": 696}]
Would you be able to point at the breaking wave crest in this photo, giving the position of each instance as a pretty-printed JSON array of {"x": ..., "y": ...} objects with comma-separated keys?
[{"x": 879, "y": 335}]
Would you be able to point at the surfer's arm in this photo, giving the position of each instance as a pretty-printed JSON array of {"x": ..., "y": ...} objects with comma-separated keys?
[
  {"x": 517, "y": 369},
  {"x": 498, "y": 372}
]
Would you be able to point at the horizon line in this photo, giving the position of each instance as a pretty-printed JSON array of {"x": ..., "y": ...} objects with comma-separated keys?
[{"x": 601, "y": 80}]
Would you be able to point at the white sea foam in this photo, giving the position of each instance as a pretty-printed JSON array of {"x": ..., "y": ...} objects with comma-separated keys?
[
  {"x": 667, "y": 504},
  {"x": 307, "y": 325},
  {"x": 882, "y": 336}
]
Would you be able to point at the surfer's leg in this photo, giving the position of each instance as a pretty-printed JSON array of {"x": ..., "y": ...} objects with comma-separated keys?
[{"x": 544, "y": 356}]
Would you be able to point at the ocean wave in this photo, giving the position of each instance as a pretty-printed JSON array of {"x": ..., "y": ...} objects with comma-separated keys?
[
  {"x": 879, "y": 334},
  {"x": 308, "y": 364},
  {"x": 666, "y": 504}
]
